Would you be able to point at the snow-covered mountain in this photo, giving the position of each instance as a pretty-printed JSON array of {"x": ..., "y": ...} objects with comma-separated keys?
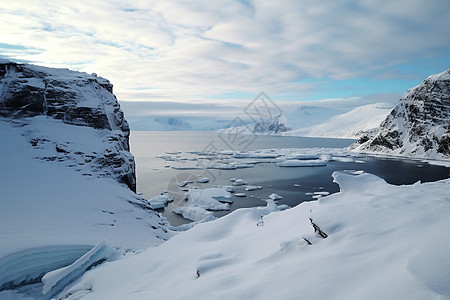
[
  {"x": 305, "y": 116},
  {"x": 350, "y": 124},
  {"x": 175, "y": 124},
  {"x": 318, "y": 121},
  {"x": 66, "y": 173},
  {"x": 418, "y": 126}
]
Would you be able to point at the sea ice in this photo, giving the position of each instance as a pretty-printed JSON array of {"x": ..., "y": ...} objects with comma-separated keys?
[
  {"x": 160, "y": 201},
  {"x": 253, "y": 188},
  {"x": 240, "y": 195},
  {"x": 238, "y": 182},
  {"x": 302, "y": 163},
  {"x": 274, "y": 196},
  {"x": 203, "y": 180}
]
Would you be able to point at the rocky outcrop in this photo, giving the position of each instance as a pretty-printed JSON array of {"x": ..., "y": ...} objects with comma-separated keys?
[
  {"x": 71, "y": 98},
  {"x": 419, "y": 126},
  {"x": 270, "y": 126}
]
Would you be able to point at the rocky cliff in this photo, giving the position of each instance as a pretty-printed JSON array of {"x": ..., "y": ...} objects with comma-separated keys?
[
  {"x": 419, "y": 125},
  {"x": 30, "y": 92}
]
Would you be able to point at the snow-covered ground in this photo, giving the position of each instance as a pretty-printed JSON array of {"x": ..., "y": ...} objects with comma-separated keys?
[
  {"x": 382, "y": 242},
  {"x": 54, "y": 207},
  {"x": 350, "y": 124}
]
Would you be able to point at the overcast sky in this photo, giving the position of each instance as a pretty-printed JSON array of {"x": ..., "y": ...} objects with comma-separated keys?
[{"x": 193, "y": 55}]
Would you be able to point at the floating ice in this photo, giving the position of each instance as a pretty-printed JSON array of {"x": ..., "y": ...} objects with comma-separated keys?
[
  {"x": 203, "y": 180},
  {"x": 274, "y": 196},
  {"x": 240, "y": 195},
  {"x": 194, "y": 213},
  {"x": 302, "y": 157},
  {"x": 160, "y": 201},
  {"x": 209, "y": 198},
  {"x": 302, "y": 163},
  {"x": 227, "y": 188},
  {"x": 253, "y": 188},
  {"x": 238, "y": 182}
]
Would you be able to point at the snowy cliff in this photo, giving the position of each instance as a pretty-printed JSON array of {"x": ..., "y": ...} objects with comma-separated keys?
[
  {"x": 419, "y": 126},
  {"x": 66, "y": 176},
  {"x": 72, "y": 98}
]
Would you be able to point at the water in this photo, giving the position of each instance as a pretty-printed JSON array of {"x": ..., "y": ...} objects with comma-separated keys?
[{"x": 295, "y": 184}]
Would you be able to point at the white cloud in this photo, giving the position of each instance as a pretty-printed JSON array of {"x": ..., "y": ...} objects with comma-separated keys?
[{"x": 194, "y": 49}]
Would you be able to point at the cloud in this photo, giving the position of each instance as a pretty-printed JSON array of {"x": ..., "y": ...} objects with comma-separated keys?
[{"x": 189, "y": 50}]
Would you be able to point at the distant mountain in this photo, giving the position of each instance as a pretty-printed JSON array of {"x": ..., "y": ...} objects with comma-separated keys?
[
  {"x": 348, "y": 125},
  {"x": 419, "y": 126},
  {"x": 175, "y": 124},
  {"x": 305, "y": 116}
]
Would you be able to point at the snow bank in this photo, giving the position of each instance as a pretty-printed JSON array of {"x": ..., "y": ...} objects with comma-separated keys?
[
  {"x": 55, "y": 281},
  {"x": 383, "y": 242}
]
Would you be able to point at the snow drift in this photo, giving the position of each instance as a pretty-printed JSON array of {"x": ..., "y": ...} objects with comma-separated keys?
[{"x": 381, "y": 242}]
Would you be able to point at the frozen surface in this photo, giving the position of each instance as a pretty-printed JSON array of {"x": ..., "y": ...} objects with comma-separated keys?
[
  {"x": 383, "y": 242},
  {"x": 302, "y": 163},
  {"x": 200, "y": 201},
  {"x": 56, "y": 280},
  {"x": 54, "y": 211}
]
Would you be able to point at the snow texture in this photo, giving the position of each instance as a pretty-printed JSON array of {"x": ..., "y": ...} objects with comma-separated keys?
[{"x": 383, "y": 242}]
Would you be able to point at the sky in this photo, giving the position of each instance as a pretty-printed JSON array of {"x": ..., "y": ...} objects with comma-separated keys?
[{"x": 211, "y": 58}]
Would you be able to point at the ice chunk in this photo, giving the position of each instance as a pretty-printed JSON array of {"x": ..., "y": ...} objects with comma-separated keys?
[
  {"x": 253, "y": 187},
  {"x": 302, "y": 163},
  {"x": 302, "y": 157},
  {"x": 160, "y": 201},
  {"x": 209, "y": 198},
  {"x": 239, "y": 182},
  {"x": 227, "y": 188},
  {"x": 274, "y": 196},
  {"x": 55, "y": 281},
  {"x": 240, "y": 195},
  {"x": 194, "y": 213},
  {"x": 203, "y": 180}
]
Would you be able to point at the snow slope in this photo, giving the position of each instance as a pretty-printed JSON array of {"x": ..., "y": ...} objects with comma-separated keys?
[
  {"x": 66, "y": 173},
  {"x": 382, "y": 242},
  {"x": 315, "y": 121},
  {"x": 348, "y": 125}
]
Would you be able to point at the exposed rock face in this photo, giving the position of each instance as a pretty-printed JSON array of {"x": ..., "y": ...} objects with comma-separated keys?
[
  {"x": 270, "y": 126},
  {"x": 73, "y": 98},
  {"x": 419, "y": 126}
]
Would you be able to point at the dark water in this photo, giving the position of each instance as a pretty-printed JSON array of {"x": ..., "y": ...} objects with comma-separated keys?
[{"x": 295, "y": 184}]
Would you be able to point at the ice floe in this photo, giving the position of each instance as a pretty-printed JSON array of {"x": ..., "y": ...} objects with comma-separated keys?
[{"x": 302, "y": 163}]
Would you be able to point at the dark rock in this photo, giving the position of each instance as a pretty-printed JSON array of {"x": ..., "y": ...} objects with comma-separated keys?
[
  {"x": 73, "y": 98},
  {"x": 419, "y": 124}
]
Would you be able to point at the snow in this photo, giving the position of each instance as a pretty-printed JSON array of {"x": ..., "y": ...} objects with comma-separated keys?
[
  {"x": 53, "y": 212},
  {"x": 384, "y": 242},
  {"x": 56, "y": 280},
  {"x": 350, "y": 124}
]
